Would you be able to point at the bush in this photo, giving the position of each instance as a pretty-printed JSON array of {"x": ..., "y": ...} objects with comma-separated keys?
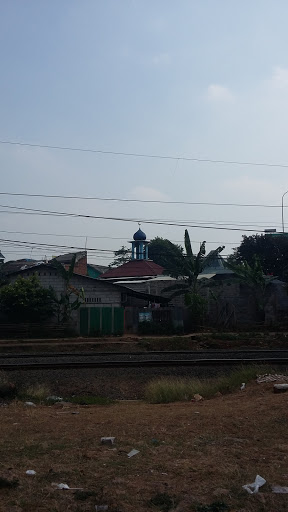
[{"x": 26, "y": 300}]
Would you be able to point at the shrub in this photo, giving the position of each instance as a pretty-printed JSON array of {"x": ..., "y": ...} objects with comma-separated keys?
[{"x": 26, "y": 300}]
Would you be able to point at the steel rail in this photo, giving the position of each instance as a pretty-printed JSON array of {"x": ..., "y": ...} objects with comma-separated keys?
[
  {"x": 15, "y": 355},
  {"x": 142, "y": 364}
]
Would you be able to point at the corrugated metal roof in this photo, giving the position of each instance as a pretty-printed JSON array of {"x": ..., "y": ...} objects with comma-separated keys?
[{"x": 135, "y": 268}]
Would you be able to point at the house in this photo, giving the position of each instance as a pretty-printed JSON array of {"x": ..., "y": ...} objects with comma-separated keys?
[
  {"x": 102, "y": 311},
  {"x": 80, "y": 266},
  {"x": 96, "y": 271},
  {"x": 12, "y": 266}
]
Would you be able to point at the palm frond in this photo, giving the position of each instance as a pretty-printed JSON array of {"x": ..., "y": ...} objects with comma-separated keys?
[
  {"x": 188, "y": 245},
  {"x": 61, "y": 271}
]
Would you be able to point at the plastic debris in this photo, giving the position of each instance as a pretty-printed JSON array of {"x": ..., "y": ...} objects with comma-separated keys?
[
  {"x": 132, "y": 453},
  {"x": 280, "y": 388},
  {"x": 107, "y": 440},
  {"x": 198, "y": 398},
  {"x": 30, "y": 472},
  {"x": 280, "y": 490},
  {"x": 99, "y": 508},
  {"x": 243, "y": 386},
  {"x": 66, "y": 487},
  {"x": 269, "y": 377},
  {"x": 254, "y": 487},
  {"x": 30, "y": 404},
  {"x": 62, "y": 486}
]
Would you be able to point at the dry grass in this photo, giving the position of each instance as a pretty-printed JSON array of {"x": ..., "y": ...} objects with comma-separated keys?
[
  {"x": 171, "y": 389},
  {"x": 36, "y": 392},
  {"x": 193, "y": 454}
]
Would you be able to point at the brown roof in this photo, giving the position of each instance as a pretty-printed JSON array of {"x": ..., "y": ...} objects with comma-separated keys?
[{"x": 135, "y": 268}]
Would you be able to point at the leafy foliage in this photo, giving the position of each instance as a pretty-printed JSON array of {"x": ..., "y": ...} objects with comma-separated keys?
[
  {"x": 168, "y": 255},
  {"x": 121, "y": 256},
  {"x": 272, "y": 252},
  {"x": 26, "y": 300},
  {"x": 64, "y": 304}
]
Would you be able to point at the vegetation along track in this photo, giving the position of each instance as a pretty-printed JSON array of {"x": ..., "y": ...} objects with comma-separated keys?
[{"x": 142, "y": 359}]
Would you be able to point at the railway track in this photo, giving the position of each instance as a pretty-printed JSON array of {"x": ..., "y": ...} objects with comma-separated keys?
[{"x": 12, "y": 362}]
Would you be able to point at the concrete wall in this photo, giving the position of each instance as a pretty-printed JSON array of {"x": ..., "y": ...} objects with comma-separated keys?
[{"x": 96, "y": 292}]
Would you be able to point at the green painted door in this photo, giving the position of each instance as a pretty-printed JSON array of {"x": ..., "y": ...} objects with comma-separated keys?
[
  {"x": 95, "y": 321},
  {"x": 106, "y": 321},
  {"x": 118, "y": 320},
  {"x": 84, "y": 322}
]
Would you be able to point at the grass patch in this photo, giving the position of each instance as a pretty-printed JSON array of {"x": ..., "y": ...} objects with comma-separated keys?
[
  {"x": 90, "y": 400},
  {"x": 165, "y": 390},
  {"x": 36, "y": 393}
]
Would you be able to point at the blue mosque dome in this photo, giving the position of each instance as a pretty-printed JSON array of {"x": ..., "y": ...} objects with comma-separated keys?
[{"x": 139, "y": 235}]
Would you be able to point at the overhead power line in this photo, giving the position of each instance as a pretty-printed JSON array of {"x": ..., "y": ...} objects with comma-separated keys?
[
  {"x": 38, "y": 244},
  {"x": 144, "y": 155},
  {"x": 32, "y": 211},
  {"x": 104, "y": 237},
  {"x": 156, "y": 201}
]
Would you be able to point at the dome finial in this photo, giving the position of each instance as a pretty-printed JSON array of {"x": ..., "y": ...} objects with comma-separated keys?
[{"x": 139, "y": 235}]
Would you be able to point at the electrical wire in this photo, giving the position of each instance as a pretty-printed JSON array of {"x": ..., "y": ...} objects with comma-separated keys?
[
  {"x": 34, "y": 211},
  {"x": 144, "y": 155},
  {"x": 157, "y": 201},
  {"x": 104, "y": 237}
]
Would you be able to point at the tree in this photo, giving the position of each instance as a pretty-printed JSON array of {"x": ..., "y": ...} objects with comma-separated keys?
[
  {"x": 272, "y": 252},
  {"x": 26, "y": 300},
  {"x": 122, "y": 256},
  {"x": 168, "y": 255},
  {"x": 190, "y": 268},
  {"x": 253, "y": 276},
  {"x": 64, "y": 305}
]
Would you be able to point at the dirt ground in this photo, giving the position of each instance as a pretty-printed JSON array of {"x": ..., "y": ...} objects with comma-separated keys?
[{"x": 197, "y": 453}]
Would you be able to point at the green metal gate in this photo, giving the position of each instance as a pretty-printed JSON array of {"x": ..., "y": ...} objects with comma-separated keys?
[{"x": 101, "y": 321}]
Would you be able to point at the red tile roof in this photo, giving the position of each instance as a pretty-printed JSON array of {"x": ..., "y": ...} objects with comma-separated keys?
[{"x": 135, "y": 268}]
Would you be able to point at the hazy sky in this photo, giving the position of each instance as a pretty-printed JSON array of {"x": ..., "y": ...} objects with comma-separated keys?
[{"x": 204, "y": 79}]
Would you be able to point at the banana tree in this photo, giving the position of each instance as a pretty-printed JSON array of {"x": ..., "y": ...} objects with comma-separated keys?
[
  {"x": 64, "y": 303},
  {"x": 191, "y": 267}
]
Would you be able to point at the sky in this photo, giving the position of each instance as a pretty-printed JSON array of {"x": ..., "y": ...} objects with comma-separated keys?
[{"x": 188, "y": 79}]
